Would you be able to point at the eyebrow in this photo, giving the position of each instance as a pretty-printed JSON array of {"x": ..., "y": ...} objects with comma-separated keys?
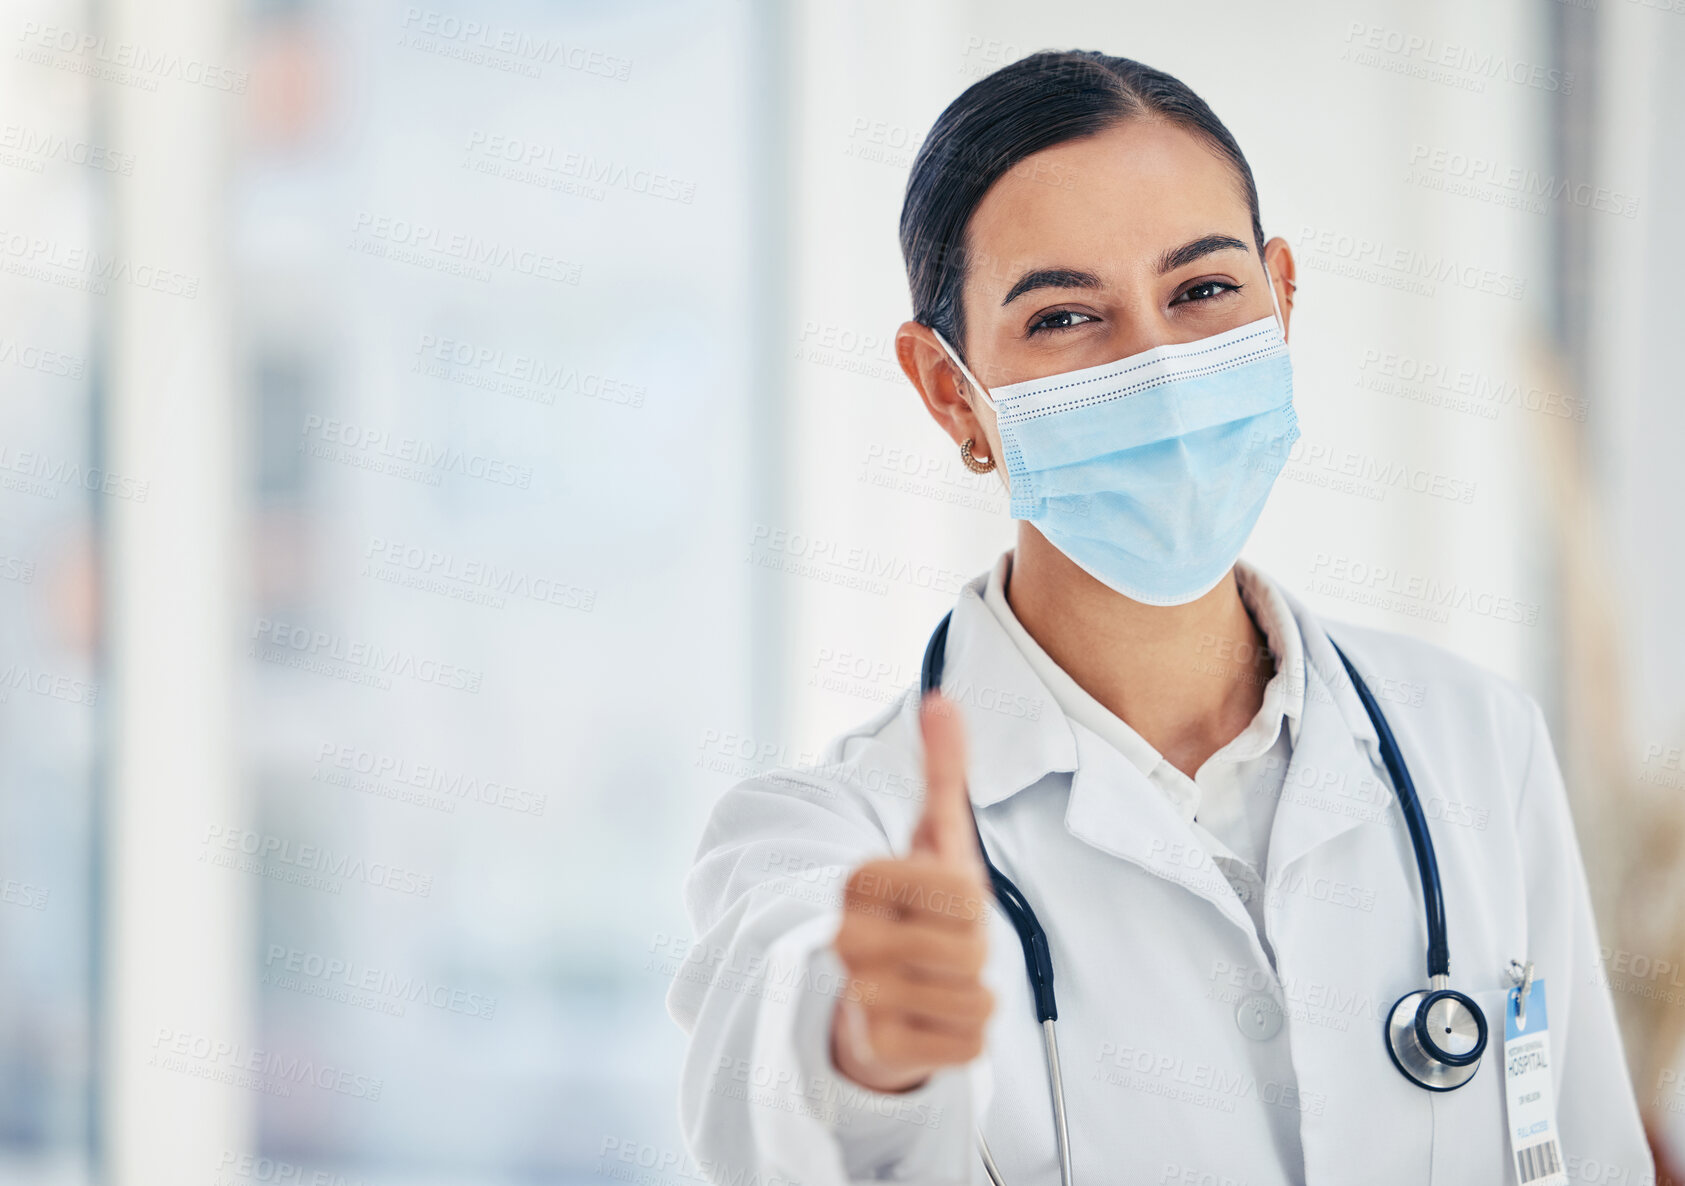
[
  {"x": 1173, "y": 258},
  {"x": 1051, "y": 278},
  {"x": 1178, "y": 257}
]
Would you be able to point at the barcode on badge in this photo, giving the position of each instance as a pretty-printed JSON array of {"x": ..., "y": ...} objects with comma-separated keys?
[{"x": 1536, "y": 1161}]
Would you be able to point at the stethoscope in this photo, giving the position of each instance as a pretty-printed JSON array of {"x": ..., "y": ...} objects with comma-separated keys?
[{"x": 1435, "y": 1035}]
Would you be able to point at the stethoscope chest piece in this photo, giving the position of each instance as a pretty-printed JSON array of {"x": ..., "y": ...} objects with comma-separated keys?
[{"x": 1436, "y": 1037}]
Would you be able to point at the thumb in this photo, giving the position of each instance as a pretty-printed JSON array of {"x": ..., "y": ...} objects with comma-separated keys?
[{"x": 945, "y": 829}]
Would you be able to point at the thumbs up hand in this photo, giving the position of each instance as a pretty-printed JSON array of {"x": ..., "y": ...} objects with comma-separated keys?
[{"x": 914, "y": 935}]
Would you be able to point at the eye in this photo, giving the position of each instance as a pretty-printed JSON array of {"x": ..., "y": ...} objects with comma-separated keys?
[
  {"x": 1206, "y": 290},
  {"x": 1058, "y": 319}
]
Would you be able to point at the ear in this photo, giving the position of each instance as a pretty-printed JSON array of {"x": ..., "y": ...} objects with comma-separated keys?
[
  {"x": 1283, "y": 275},
  {"x": 946, "y": 393}
]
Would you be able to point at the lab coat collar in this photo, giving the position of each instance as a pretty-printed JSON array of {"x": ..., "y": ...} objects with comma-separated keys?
[
  {"x": 1117, "y": 809},
  {"x": 1018, "y": 735},
  {"x": 1326, "y": 681},
  {"x": 1329, "y": 787},
  {"x": 1333, "y": 779},
  {"x": 1015, "y": 732}
]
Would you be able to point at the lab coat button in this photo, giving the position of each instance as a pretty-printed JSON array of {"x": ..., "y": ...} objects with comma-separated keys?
[{"x": 1259, "y": 1017}]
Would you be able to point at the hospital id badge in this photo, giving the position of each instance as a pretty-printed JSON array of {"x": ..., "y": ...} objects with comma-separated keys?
[{"x": 1527, "y": 1088}]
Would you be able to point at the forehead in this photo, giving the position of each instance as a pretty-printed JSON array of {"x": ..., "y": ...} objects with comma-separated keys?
[{"x": 1109, "y": 203}]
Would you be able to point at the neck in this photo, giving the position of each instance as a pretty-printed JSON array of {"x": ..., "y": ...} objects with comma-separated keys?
[{"x": 1187, "y": 678}]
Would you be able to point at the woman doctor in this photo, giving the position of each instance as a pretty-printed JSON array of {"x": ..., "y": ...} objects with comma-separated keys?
[{"x": 1162, "y": 751}]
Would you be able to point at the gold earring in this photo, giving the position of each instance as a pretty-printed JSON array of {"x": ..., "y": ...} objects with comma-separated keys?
[{"x": 971, "y": 463}]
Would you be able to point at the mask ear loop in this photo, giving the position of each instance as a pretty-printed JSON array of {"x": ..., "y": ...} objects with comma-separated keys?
[
  {"x": 982, "y": 392},
  {"x": 1275, "y": 301},
  {"x": 966, "y": 371}
]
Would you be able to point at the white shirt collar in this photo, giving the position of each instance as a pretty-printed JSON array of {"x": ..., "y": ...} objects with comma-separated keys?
[{"x": 1284, "y": 695}]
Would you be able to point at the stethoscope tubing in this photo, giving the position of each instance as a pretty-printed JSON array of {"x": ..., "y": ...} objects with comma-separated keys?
[
  {"x": 1404, "y": 787},
  {"x": 1061, "y": 1131}
]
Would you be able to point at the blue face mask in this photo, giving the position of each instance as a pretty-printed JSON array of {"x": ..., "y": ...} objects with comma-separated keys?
[{"x": 1150, "y": 472}]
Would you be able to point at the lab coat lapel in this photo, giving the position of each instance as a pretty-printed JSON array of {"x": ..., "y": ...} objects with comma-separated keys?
[
  {"x": 1117, "y": 809},
  {"x": 1333, "y": 781},
  {"x": 1014, "y": 731}
]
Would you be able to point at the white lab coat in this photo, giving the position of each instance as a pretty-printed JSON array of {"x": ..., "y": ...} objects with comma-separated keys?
[{"x": 1154, "y": 954}]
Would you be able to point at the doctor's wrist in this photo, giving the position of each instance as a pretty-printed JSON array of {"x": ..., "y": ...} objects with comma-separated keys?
[{"x": 852, "y": 1059}]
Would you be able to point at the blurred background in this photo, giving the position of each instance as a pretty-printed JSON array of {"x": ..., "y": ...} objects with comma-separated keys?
[{"x": 443, "y": 447}]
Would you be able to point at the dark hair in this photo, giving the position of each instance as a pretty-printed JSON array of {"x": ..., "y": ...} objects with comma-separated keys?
[{"x": 1035, "y": 103}]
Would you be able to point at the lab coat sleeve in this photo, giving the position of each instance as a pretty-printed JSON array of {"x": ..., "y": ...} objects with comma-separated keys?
[
  {"x": 759, "y": 1094},
  {"x": 1597, "y": 1114}
]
